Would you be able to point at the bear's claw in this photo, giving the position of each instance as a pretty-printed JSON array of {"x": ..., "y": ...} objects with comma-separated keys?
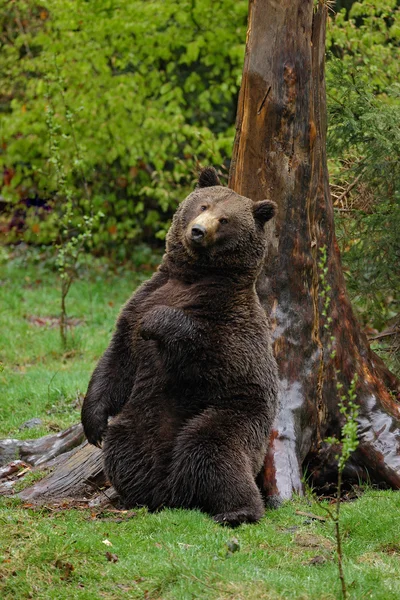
[{"x": 237, "y": 517}]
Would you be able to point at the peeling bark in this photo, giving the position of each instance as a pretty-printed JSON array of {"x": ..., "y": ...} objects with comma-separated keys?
[{"x": 280, "y": 154}]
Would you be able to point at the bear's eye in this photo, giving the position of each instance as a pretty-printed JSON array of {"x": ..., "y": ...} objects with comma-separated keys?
[
  {"x": 223, "y": 221},
  {"x": 203, "y": 208}
]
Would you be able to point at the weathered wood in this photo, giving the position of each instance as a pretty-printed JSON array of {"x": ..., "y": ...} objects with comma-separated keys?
[
  {"x": 280, "y": 153},
  {"x": 76, "y": 477},
  {"x": 12, "y": 468},
  {"x": 76, "y": 469},
  {"x": 41, "y": 451}
]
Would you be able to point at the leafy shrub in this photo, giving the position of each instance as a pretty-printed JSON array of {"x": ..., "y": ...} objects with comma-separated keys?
[
  {"x": 364, "y": 146},
  {"x": 152, "y": 87}
]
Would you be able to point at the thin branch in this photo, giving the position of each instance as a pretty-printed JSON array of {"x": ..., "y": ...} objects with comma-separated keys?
[
  {"x": 384, "y": 334},
  {"x": 348, "y": 189},
  {"x": 94, "y": 485},
  {"x": 23, "y": 32}
]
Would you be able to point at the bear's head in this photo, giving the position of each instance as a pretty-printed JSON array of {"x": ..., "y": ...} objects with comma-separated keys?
[{"x": 215, "y": 227}]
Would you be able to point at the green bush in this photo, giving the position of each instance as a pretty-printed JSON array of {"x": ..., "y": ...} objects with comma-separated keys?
[
  {"x": 142, "y": 92},
  {"x": 364, "y": 147}
]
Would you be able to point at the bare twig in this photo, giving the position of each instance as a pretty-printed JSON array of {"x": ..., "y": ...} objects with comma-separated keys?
[
  {"x": 339, "y": 537},
  {"x": 384, "y": 334},
  {"x": 94, "y": 485},
  {"x": 348, "y": 189},
  {"x": 310, "y": 515}
]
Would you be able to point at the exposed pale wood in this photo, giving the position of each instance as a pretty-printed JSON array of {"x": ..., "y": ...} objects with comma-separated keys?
[
  {"x": 41, "y": 451},
  {"x": 14, "y": 467},
  {"x": 76, "y": 477}
]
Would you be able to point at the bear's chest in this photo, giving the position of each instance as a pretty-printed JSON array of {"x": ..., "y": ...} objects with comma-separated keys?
[{"x": 230, "y": 341}]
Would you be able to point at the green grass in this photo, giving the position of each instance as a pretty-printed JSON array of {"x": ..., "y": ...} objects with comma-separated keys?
[
  {"x": 183, "y": 554},
  {"x": 39, "y": 377},
  {"x": 60, "y": 554}
]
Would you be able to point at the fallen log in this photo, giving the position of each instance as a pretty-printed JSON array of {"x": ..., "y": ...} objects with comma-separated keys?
[
  {"x": 42, "y": 450},
  {"x": 72, "y": 469}
]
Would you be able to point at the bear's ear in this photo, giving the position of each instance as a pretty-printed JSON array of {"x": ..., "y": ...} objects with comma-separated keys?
[
  {"x": 264, "y": 211},
  {"x": 208, "y": 177}
]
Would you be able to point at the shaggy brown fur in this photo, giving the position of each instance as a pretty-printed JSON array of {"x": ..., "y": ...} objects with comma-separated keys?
[{"x": 189, "y": 371}]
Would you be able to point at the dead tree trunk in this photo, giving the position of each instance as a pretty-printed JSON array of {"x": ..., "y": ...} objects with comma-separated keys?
[{"x": 280, "y": 154}]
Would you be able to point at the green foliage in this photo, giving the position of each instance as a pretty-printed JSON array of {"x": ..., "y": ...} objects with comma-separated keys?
[
  {"x": 364, "y": 145},
  {"x": 366, "y": 39},
  {"x": 348, "y": 444},
  {"x": 349, "y": 434},
  {"x": 324, "y": 294},
  {"x": 325, "y": 288},
  {"x": 76, "y": 229},
  {"x": 349, "y": 409},
  {"x": 152, "y": 87}
]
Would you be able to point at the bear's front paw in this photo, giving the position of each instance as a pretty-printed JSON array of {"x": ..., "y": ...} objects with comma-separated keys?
[
  {"x": 155, "y": 324},
  {"x": 94, "y": 431},
  {"x": 147, "y": 331}
]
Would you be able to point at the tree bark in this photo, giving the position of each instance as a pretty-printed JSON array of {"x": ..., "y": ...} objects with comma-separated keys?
[{"x": 280, "y": 153}]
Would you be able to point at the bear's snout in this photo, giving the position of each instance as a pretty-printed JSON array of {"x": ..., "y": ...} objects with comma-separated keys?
[
  {"x": 198, "y": 233},
  {"x": 202, "y": 230}
]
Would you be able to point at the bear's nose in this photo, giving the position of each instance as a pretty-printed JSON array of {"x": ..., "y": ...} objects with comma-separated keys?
[{"x": 198, "y": 233}]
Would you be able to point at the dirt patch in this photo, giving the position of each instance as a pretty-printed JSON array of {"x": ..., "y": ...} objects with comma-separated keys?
[
  {"x": 52, "y": 322},
  {"x": 312, "y": 540},
  {"x": 393, "y": 549}
]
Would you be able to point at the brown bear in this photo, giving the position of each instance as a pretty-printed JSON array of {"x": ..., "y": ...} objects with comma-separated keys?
[{"x": 189, "y": 374}]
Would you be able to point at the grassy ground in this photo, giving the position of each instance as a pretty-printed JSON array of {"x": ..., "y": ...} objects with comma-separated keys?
[
  {"x": 40, "y": 378},
  {"x": 47, "y": 553}
]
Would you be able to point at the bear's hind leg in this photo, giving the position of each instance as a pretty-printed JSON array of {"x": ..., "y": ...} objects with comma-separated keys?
[
  {"x": 136, "y": 466},
  {"x": 212, "y": 469}
]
